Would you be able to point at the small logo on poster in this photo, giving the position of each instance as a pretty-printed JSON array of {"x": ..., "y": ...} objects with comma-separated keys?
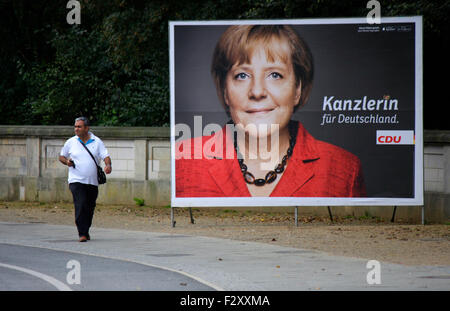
[{"x": 395, "y": 138}]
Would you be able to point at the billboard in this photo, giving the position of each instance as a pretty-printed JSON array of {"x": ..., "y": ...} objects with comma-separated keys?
[{"x": 296, "y": 112}]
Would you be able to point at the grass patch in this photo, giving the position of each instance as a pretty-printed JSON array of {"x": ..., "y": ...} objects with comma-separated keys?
[{"x": 139, "y": 201}]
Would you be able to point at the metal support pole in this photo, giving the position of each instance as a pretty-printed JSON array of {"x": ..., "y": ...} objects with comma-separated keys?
[
  {"x": 329, "y": 213},
  {"x": 172, "y": 217},
  {"x": 393, "y": 214},
  {"x": 296, "y": 216},
  {"x": 423, "y": 214},
  {"x": 192, "y": 217}
]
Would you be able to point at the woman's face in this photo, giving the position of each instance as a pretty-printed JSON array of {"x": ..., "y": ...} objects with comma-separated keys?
[{"x": 262, "y": 93}]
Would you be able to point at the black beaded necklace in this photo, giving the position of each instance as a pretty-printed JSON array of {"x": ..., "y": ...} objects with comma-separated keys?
[{"x": 272, "y": 175}]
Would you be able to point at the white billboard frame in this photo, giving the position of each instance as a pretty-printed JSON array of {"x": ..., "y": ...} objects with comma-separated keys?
[{"x": 417, "y": 200}]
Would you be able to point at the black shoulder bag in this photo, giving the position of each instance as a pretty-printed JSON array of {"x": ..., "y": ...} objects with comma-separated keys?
[{"x": 101, "y": 176}]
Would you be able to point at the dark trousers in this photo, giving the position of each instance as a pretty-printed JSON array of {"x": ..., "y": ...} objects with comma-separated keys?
[{"x": 84, "y": 199}]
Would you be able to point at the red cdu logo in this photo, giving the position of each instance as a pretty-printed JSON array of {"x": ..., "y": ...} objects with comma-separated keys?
[{"x": 395, "y": 138}]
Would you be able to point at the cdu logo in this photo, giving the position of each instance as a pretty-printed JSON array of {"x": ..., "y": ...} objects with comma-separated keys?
[{"x": 395, "y": 138}]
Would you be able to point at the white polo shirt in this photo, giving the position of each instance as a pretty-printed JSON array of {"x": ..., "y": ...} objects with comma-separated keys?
[{"x": 85, "y": 170}]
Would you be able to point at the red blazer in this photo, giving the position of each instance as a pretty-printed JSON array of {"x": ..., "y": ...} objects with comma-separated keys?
[{"x": 316, "y": 169}]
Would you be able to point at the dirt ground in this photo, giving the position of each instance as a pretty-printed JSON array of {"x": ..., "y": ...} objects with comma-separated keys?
[{"x": 362, "y": 237}]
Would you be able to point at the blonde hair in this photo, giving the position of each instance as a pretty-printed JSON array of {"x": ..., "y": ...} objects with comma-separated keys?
[{"x": 238, "y": 42}]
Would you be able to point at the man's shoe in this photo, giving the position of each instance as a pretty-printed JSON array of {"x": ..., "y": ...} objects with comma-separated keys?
[
  {"x": 83, "y": 239},
  {"x": 88, "y": 237}
]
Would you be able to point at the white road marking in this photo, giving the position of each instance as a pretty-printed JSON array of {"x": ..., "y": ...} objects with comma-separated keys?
[
  {"x": 198, "y": 279},
  {"x": 58, "y": 284}
]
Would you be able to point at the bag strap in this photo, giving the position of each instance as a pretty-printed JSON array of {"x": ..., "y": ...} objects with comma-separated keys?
[{"x": 89, "y": 152}]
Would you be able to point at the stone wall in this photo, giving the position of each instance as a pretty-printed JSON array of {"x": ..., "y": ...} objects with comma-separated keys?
[
  {"x": 437, "y": 162},
  {"x": 437, "y": 175},
  {"x": 30, "y": 170}
]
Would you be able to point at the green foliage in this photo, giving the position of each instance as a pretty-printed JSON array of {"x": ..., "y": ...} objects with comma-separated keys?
[
  {"x": 90, "y": 76},
  {"x": 139, "y": 201},
  {"x": 114, "y": 71},
  {"x": 114, "y": 67},
  {"x": 73, "y": 84}
]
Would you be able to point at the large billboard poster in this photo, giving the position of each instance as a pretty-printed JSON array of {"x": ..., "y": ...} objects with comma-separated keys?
[{"x": 296, "y": 112}]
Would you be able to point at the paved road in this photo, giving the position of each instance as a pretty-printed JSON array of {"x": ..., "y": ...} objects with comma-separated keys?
[
  {"x": 24, "y": 268},
  {"x": 132, "y": 260}
]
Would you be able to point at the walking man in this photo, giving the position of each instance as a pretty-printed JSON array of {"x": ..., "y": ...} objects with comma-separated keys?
[{"x": 83, "y": 173}]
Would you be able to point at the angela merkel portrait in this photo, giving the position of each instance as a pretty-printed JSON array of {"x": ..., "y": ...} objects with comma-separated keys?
[{"x": 263, "y": 74}]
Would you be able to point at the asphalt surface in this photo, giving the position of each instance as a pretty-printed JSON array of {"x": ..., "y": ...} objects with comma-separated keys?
[
  {"x": 39, "y": 269},
  {"x": 36, "y": 256}
]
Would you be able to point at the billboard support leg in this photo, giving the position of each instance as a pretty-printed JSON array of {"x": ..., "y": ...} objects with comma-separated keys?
[
  {"x": 172, "y": 217},
  {"x": 296, "y": 216},
  {"x": 423, "y": 215},
  {"x": 329, "y": 213},
  {"x": 393, "y": 214},
  {"x": 192, "y": 217}
]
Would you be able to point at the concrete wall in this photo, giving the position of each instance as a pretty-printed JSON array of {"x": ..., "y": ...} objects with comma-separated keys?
[
  {"x": 30, "y": 170},
  {"x": 437, "y": 176}
]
